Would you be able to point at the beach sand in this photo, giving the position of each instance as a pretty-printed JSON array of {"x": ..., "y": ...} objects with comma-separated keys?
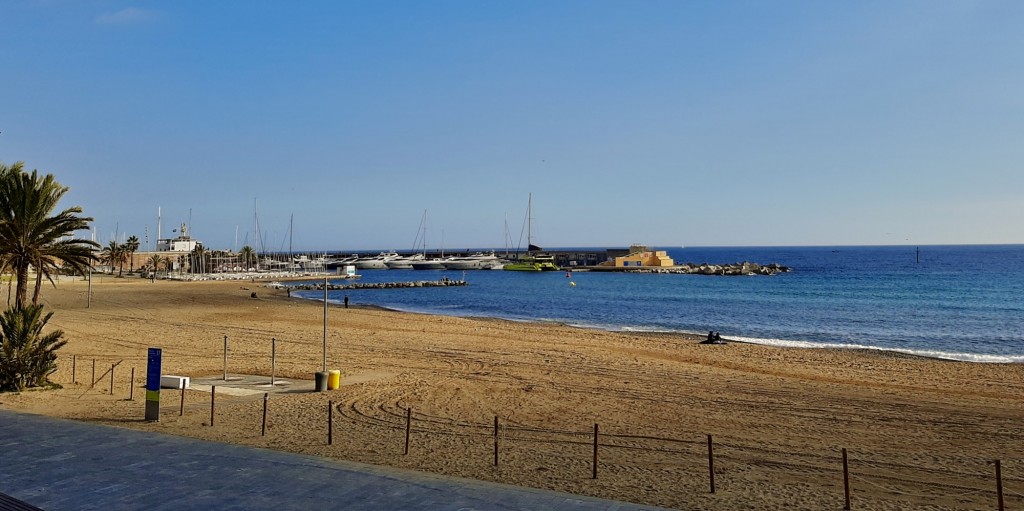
[{"x": 920, "y": 433}]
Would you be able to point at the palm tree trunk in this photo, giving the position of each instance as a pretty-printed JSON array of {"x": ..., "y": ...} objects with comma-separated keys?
[
  {"x": 39, "y": 284},
  {"x": 21, "y": 291}
]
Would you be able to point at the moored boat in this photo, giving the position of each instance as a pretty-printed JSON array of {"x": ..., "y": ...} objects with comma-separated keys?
[
  {"x": 477, "y": 261},
  {"x": 535, "y": 259},
  {"x": 403, "y": 263},
  {"x": 377, "y": 262}
]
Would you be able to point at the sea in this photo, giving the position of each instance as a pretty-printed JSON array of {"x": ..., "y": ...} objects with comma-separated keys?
[{"x": 958, "y": 302}]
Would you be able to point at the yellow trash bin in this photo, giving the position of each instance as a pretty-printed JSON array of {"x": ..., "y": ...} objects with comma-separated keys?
[{"x": 333, "y": 379}]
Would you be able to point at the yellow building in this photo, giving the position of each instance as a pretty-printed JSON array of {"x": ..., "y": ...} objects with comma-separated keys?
[{"x": 640, "y": 256}]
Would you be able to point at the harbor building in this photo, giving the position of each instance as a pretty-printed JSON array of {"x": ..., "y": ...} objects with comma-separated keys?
[
  {"x": 639, "y": 256},
  {"x": 183, "y": 243}
]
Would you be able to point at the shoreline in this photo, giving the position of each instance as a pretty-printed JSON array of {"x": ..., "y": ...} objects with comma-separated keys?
[
  {"x": 972, "y": 358},
  {"x": 778, "y": 415}
]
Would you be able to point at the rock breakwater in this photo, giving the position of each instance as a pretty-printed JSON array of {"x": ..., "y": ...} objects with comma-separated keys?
[
  {"x": 735, "y": 269},
  {"x": 378, "y": 285}
]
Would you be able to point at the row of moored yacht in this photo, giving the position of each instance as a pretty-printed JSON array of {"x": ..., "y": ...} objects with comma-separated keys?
[{"x": 393, "y": 261}]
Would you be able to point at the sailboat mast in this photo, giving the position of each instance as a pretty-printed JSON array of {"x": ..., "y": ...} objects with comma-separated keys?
[
  {"x": 529, "y": 222},
  {"x": 256, "y": 240}
]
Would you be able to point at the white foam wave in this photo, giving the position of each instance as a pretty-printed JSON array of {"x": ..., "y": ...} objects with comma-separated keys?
[{"x": 946, "y": 355}]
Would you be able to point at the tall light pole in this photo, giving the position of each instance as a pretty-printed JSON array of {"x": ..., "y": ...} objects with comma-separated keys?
[{"x": 325, "y": 323}]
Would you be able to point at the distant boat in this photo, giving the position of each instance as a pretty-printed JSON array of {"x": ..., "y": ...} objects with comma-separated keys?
[
  {"x": 535, "y": 260},
  {"x": 423, "y": 263},
  {"x": 377, "y": 262},
  {"x": 477, "y": 261},
  {"x": 428, "y": 264},
  {"x": 403, "y": 263}
]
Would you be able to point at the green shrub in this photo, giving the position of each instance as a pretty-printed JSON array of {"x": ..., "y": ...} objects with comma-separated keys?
[{"x": 27, "y": 356}]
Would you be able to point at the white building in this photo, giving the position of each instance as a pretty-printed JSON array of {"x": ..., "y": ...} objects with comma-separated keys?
[{"x": 183, "y": 243}]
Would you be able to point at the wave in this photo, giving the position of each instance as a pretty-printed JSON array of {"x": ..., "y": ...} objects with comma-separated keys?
[
  {"x": 456, "y": 310},
  {"x": 944, "y": 355}
]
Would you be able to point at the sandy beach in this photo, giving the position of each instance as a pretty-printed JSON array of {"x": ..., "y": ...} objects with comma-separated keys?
[{"x": 920, "y": 433}]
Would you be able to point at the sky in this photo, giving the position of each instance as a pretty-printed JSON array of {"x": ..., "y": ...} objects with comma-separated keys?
[{"x": 667, "y": 123}]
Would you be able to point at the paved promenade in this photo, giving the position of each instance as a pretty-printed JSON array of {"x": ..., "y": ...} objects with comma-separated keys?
[{"x": 66, "y": 465}]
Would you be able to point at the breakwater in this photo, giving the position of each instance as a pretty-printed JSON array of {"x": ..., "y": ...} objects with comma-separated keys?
[
  {"x": 445, "y": 282},
  {"x": 734, "y": 269}
]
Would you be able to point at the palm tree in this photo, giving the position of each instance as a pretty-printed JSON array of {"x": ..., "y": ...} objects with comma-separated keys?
[
  {"x": 27, "y": 356},
  {"x": 155, "y": 262},
  {"x": 131, "y": 245},
  {"x": 248, "y": 257},
  {"x": 32, "y": 236},
  {"x": 197, "y": 260},
  {"x": 114, "y": 254}
]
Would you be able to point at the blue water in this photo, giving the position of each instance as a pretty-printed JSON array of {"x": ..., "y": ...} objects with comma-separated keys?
[{"x": 959, "y": 302}]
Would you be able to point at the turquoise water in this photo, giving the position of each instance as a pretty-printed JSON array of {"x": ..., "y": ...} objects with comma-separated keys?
[{"x": 958, "y": 302}]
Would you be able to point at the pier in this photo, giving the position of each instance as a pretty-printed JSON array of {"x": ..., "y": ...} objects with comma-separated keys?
[{"x": 445, "y": 282}]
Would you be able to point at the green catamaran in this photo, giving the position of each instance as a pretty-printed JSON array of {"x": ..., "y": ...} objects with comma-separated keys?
[{"x": 535, "y": 259}]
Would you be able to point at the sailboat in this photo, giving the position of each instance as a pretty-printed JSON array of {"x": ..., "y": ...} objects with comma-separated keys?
[{"x": 535, "y": 260}]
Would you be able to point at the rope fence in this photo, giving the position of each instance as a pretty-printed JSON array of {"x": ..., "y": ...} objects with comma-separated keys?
[{"x": 974, "y": 479}]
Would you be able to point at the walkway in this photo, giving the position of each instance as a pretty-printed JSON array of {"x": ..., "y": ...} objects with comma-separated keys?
[{"x": 58, "y": 464}]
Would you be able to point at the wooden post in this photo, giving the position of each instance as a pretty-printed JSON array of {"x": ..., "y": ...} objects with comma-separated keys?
[
  {"x": 266, "y": 397},
  {"x": 74, "y": 368},
  {"x": 595, "y": 452},
  {"x": 112, "y": 378},
  {"x": 711, "y": 463},
  {"x": 846, "y": 481},
  {"x": 495, "y": 440},
  {"x": 213, "y": 399},
  {"x": 181, "y": 411},
  {"x": 330, "y": 422},
  {"x": 131, "y": 386},
  {"x": 408, "y": 427},
  {"x": 273, "y": 360},
  {"x": 225, "y": 358},
  {"x": 999, "y": 485}
]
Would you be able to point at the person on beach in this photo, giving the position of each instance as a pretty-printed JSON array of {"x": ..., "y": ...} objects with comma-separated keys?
[{"x": 346, "y": 301}]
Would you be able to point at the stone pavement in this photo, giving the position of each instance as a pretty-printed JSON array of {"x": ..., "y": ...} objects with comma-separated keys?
[{"x": 59, "y": 464}]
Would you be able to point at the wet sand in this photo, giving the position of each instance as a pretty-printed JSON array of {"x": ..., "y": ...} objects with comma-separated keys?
[{"x": 920, "y": 433}]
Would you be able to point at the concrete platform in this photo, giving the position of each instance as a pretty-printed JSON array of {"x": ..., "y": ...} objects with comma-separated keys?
[
  {"x": 66, "y": 465},
  {"x": 250, "y": 384}
]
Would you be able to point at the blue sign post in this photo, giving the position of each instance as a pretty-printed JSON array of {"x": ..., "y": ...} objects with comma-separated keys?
[{"x": 153, "y": 384}]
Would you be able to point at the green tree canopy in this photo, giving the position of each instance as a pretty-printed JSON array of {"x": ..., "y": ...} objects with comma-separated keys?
[{"x": 32, "y": 236}]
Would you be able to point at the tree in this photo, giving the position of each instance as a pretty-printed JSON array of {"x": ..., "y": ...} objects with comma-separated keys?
[
  {"x": 154, "y": 262},
  {"x": 31, "y": 236},
  {"x": 27, "y": 356},
  {"x": 131, "y": 245},
  {"x": 114, "y": 254},
  {"x": 248, "y": 257},
  {"x": 197, "y": 260}
]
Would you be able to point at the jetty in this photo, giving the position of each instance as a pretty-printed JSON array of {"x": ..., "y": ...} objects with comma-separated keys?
[
  {"x": 734, "y": 269},
  {"x": 444, "y": 282}
]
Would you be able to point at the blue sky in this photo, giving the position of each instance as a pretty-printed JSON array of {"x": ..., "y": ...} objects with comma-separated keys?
[{"x": 661, "y": 122}]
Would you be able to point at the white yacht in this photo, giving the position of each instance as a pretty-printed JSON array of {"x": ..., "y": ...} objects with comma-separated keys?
[
  {"x": 403, "y": 263},
  {"x": 477, "y": 261},
  {"x": 429, "y": 264},
  {"x": 377, "y": 262}
]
